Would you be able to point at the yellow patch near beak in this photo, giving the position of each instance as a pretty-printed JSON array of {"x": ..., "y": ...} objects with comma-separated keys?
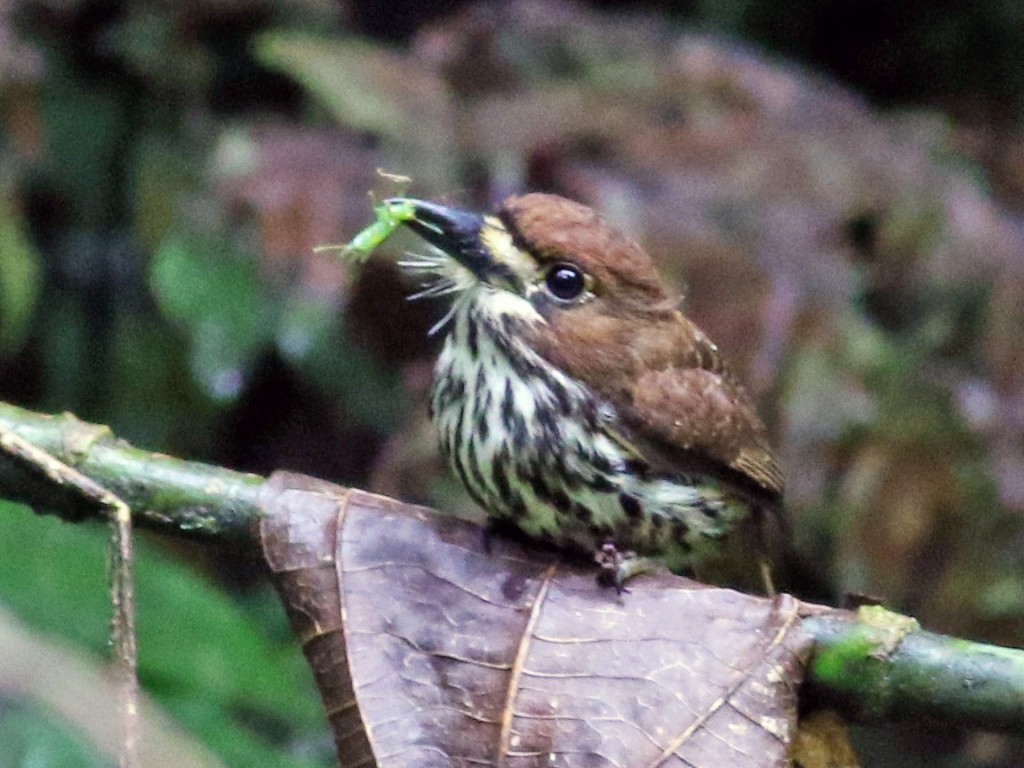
[{"x": 498, "y": 242}]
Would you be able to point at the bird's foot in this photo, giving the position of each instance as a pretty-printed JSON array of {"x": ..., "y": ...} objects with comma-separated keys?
[{"x": 618, "y": 567}]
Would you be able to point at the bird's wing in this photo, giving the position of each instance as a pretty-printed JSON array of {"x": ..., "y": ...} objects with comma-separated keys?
[{"x": 701, "y": 419}]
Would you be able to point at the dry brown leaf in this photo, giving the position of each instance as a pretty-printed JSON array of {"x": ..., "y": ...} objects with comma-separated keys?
[{"x": 428, "y": 650}]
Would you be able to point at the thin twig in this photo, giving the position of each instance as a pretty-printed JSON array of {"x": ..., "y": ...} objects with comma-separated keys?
[{"x": 122, "y": 594}]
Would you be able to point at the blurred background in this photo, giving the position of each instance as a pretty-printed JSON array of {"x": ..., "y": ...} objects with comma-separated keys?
[{"x": 835, "y": 185}]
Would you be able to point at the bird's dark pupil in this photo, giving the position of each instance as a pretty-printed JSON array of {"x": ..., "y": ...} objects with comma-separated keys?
[{"x": 565, "y": 282}]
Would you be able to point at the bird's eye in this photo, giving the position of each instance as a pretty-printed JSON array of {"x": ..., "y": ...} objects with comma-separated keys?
[{"x": 565, "y": 281}]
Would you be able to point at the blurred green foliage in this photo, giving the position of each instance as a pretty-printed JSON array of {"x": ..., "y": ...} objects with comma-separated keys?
[
  {"x": 205, "y": 284},
  {"x": 236, "y": 684},
  {"x": 19, "y": 279},
  {"x": 31, "y": 736}
]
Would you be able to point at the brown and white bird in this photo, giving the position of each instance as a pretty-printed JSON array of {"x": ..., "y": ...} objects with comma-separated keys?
[{"x": 574, "y": 399}]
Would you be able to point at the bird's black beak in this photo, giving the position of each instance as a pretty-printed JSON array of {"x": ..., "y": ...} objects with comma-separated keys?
[{"x": 454, "y": 231}]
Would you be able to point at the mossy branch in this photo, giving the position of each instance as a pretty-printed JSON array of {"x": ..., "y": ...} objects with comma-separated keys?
[
  {"x": 165, "y": 493},
  {"x": 878, "y": 666},
  {"x": 874, "y": 665}
]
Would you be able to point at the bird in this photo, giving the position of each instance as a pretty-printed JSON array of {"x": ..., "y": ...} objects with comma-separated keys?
[{"x": 576, "y": 401}]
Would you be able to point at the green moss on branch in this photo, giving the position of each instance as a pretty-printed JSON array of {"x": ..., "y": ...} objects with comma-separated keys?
[
  {"x": 891, "y": 674},
  {"x": 166, "y": 493}
]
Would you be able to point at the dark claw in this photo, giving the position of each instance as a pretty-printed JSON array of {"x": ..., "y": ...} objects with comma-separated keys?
[
  {"x": 610, "y": 561},
  {"x": 618, "y": 567}
]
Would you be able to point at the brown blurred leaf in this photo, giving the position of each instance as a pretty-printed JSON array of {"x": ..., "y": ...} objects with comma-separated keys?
[
  {"x": 904, "y": 507},
  {"x": 994, "y": 407},
  {"x": 306, "y": 188},
  {"x": 430, "y": 651},
  {"x": 371, "y": 88},
  {"x": 21, "y": 117},
  {"x": 1004, "y": 327}
]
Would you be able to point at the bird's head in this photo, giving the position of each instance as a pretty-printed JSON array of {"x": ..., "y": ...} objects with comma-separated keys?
[{"x": 544, "y": 258}]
